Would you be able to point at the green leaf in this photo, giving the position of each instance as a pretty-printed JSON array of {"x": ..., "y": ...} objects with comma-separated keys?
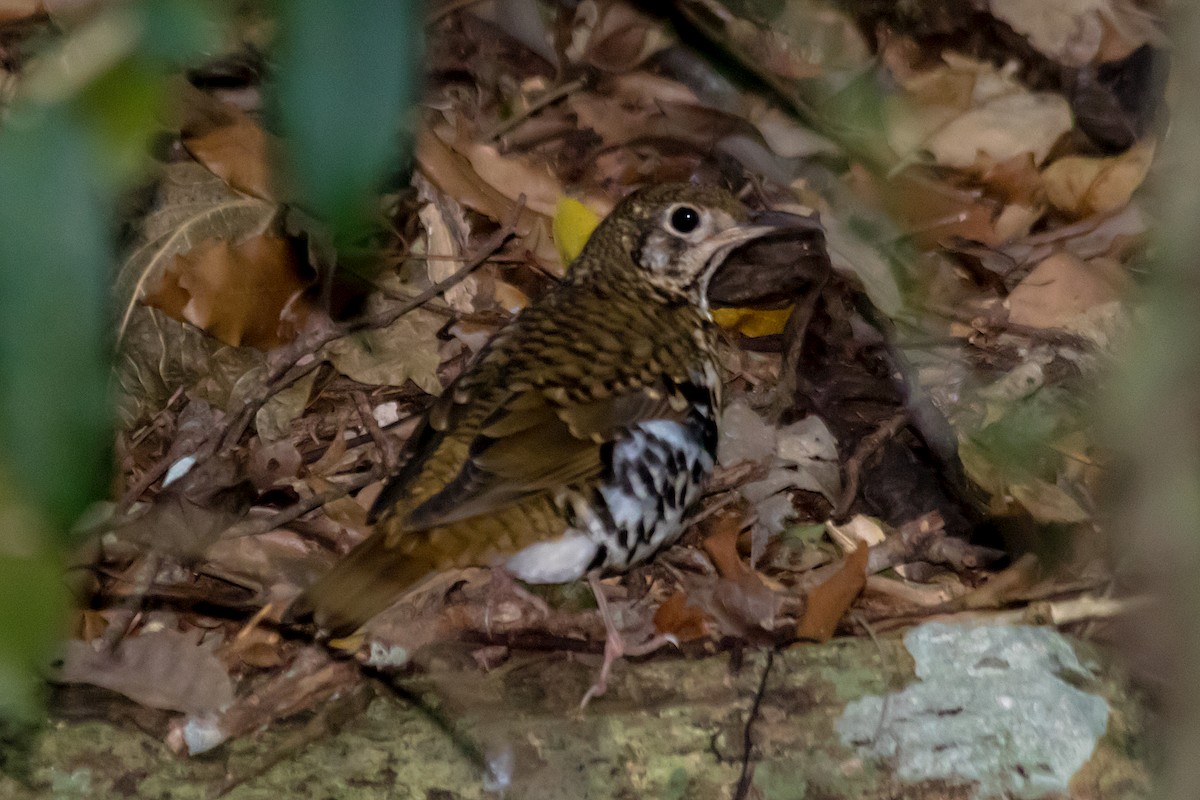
[
  {"x": 1019, "y": 443},
  {"x": 347, "y": 74},
  {"x": 55, "y": 259},
  {"x": 32, "y": 601}
]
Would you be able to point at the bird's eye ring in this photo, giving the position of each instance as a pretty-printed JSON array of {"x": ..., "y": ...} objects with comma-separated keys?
[{"x": 684, "y": 219}]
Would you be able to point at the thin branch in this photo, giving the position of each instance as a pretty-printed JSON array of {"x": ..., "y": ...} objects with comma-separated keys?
[
  {"x": 742, "y": 790},
  {"x": 545, "y": 100},
  {"x": 867, "y": 447},
  {"x": 256, "y": 527}
]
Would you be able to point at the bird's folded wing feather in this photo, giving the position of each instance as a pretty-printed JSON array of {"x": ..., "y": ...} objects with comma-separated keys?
[{"x": 535, "y": 441}]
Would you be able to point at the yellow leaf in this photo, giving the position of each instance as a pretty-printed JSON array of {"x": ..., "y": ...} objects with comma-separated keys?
[
  {"x": 573, "y": 224},
  {"x": 752, "y": 322}
]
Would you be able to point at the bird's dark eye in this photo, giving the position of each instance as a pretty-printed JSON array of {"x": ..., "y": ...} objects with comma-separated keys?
[{"x": 685, "y": 219}]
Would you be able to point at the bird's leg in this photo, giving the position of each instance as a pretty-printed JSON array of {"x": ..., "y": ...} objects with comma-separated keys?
[{"x": 614, "y": 642}]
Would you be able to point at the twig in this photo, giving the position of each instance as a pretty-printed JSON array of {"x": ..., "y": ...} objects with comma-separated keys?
[
  {"x": 867, "y": 447},
  {"x": 151, "y": 476},
  {"x": 991, "y": 324},
  {"x": 256, "y": 527},
  {"x": 328, "y": 719},
  {"x": 925, "y": 539},
  {"x": 794, "y": 333},
  {"x": 464, "y": 744},
  {"x": 125, "y": 617},
  {"x": 548, "y": 98},
  {"x": 387, "y": 449},
  {"x": 885, "y": 665},
  {"x": 747, "y": 776}
]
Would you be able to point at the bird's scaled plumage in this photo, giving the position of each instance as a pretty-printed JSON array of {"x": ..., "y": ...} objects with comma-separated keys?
[{"x": 580, "y": 435}]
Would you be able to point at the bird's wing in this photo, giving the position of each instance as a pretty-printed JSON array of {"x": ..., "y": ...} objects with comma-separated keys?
[{"x": 535, "y": 441}]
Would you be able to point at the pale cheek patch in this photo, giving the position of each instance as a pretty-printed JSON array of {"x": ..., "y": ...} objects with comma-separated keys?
[{"x": 557, "y": 561}]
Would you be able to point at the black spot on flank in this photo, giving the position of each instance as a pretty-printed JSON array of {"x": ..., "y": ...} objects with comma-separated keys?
[
  {"x": 694, "y": 393},
  {"x": 708, "y": 434},
  {"x": 602, "y": 511},
  {"x": 606, "y": 458},
  {"x": 643, "y": 470},
  {"x": 598, "y": 559},
  {"x": 697, "y": 470}
]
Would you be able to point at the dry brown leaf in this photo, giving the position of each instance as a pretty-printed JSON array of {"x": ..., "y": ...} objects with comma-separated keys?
[
  {"x": 826, "y": 603},
  {"x": 192, "y": 206},
  {"x": 1069, "y": 33},
  {"x": 1003, "y": 128},
  {"x": 271, "y": 463},
  {"x": 1083, "y": 185},
  {"x": 513, "y": 176},
  {"x": 1062, "y": 287},
  {"x": 277, "y": 564},
  {"x": 454, "y": 175},
  {"x": 720, "y": 543},
  {"x": 642, "y": 107},
  {"x": 406, "y": 349},
  {"x": 274, "y": 420},
  {"x": 934, "y": 212},
  {"x": 614, "y": 37},
  {"x": 88, "y": 625},
  {"x": 446, "y": 233},
  {"x": 1080, "y": 32},
  {"x": 740, "y": 603},
  {"x": 160, "y": 669},
  {"x": 238, "y": 153},
  {"x": 254, "y": 647},
  {"x": 1017, "y": 180},
  {"x": 677, "y": 618},
  {"x": 249, "y": 293}
]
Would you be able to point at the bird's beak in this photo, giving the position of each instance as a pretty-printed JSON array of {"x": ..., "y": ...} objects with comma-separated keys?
[{"x": 766, "y": 223}]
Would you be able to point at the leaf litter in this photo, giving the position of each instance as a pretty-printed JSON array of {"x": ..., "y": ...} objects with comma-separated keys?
[{"x": 903, "y": 381}]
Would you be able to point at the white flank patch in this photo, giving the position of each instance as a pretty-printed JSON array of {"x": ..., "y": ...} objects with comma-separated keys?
[
  {"x": 557, "y": 561},
  {"x": 670, "y": 432}
]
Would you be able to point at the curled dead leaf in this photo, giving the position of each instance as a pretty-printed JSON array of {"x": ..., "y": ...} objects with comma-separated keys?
[
  {"x": 1083, "y": 185},
  {"x": 237, "y": 153},
  {"x": 160, "y": 669},
  {"x": 675, "y": 617},
  {"x": 834, "y": 590},
  {"x": 249, "y": 293}
]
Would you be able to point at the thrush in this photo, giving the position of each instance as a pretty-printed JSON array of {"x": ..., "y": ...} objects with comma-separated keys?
[{"x": 579, "y": 437}]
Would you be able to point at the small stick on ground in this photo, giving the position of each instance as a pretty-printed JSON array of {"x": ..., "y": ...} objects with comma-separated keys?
[
  {"x": 386, "y": 447},
  {"x": 867, "y": 447},
  {"x": 256, "y": 527},
  {"x": 548, "y": 98},
  {"x": 746, "y": 778}
]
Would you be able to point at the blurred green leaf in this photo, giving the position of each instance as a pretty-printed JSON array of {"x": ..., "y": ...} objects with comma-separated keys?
[
  {"x": 67, "y": 149},
  {"x": 178, "y": 31},
  {"x": 1019, "y": 443},
  {"x": 347, "y": 75},
  {"x": 33, "y": 603},
  {"x": 55, "y": 259}
]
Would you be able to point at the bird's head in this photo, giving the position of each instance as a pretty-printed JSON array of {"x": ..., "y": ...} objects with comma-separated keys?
[{"x": 675, "y": 236}]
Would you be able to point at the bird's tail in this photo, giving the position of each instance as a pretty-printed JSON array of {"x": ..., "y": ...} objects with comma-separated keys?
[{"x": 368, "y": 580}]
